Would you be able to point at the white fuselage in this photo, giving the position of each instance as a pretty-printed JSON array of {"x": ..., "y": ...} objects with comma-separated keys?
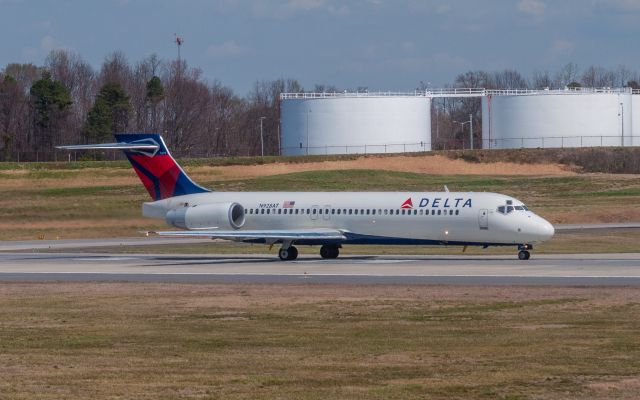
[{"x": 472, "y": 218}]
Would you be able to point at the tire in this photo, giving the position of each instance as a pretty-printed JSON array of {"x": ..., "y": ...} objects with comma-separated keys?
[
  {"x": 524, "y": 255},
  {"x": 329, "y": 252},
  {"x": 288, "y": 254},
  {"x": 293, "y": 253}
]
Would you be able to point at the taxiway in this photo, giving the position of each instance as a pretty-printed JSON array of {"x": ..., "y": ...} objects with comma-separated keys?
[{"x": 564, "y": 269}]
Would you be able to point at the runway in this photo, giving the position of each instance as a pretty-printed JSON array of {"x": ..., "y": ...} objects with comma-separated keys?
[{"x": 592, "y": 269}]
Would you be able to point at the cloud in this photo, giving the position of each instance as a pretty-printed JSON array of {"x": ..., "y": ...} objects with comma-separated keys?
[
  {"x": 285, "y": 9},
  {"x": 305, "y": 5},
  {"x": 559, "y": 49},
  {"x": 45, "y": 46},
  {"x": 621, "y": 5},
  {"x": 535, "y": 8},
  {"x": 226, "y": 49}
]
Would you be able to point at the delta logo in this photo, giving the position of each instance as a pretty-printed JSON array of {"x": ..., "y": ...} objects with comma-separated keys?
[{"x": 407, "y": 204}]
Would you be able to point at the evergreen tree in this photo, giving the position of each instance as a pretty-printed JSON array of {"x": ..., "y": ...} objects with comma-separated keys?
[
  {"x": 51, "y": 101},
  {"x": 109, "y": 114},
  {"x": 155, "y": 94}
]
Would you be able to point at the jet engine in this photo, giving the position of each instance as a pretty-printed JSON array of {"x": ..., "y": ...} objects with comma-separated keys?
[{"x": 207, "y": 216}]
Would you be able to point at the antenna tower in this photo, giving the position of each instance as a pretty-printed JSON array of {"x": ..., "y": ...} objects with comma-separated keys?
[{"x": 179, "y": 40}]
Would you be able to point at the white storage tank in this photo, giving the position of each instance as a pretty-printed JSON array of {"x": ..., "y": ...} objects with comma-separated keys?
[
  {"x": 635, "y": 118},
  {"x": 350, "y": 123},
  {"x": 560, "y": 118}
]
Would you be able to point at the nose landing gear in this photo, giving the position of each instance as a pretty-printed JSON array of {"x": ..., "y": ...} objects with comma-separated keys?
[{"x": 524, "y": 254}]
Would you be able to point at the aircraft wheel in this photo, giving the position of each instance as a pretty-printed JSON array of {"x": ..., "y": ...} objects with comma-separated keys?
[
  {"x": 288, "y": 254},
  {"x": 293, "y": 253},
  {"x": 327, "y": 251},
  {"x": 524, "y": 255}
]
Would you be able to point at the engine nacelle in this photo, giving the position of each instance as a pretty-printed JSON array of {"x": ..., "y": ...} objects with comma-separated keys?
[{"x": 219, "y": 215}]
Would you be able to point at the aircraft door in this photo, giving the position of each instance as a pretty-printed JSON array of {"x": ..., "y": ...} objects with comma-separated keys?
[
  {"x": 326, "y": 212},
  {"x": 483, "y": 219}
]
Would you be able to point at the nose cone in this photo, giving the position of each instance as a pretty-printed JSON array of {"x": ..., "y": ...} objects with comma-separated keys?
[{"x": 545, "y": 230}]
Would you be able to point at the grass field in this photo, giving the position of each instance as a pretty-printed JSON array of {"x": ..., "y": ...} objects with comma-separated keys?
[
  {"x": 155, "y": 341},
  {"x": 103, "y": 200}
]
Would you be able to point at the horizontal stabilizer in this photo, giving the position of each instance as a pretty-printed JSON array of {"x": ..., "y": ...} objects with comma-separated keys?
[{"x": 111, "y": 146}]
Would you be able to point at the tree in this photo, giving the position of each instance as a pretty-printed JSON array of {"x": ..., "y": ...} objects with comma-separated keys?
[
  {"x": 155, "y": 94},
  {"x": 51, "y": 101},
  {"x": 109, "y": 114},
  {"x": 633, "y": 85}
]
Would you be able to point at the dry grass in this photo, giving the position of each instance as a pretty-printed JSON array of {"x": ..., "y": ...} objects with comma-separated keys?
[
  {"x": 163, "y": 341},
  {"x": 87, "y": 202}
]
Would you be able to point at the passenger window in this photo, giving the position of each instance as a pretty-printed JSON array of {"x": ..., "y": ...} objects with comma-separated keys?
[
  {"x": 415, "y": 212},
  {"x": 379, "y": 211},
  {"x": 296, "y": 211},
  {"x": 386, "y": 212},
  {"x": 314, "y": 211},
  {"x": 262, "y": 211},
  {"x": 439, "y": 212},
  {"x": 457, "y": 212},
  {"x": 421, "y": 212},
  {"x": 338, "y": 211},
  {"x": 251, "y": 211},
  {"x": 402, "y": 212},
  {"x": 279, "y": 211},
  {"x": 333, "y": 211},
  {"x": 450, "y": 212},
  {"x": 433, "y": 212},
  {"x": 350, "y": 211},
  {"x": 308, "y": 211},
  {"x": 268, "y": 211}
]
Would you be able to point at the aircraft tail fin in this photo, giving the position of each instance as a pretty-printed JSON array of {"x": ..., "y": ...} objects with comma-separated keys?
[{"x": 157, "y": 169}]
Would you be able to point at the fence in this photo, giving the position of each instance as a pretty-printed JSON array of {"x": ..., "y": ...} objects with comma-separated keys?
[{"x": 502, "y": 143}]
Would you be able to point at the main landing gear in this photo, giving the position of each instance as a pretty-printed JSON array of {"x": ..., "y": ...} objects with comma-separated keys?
[
  {"x": 524, "y": 254},
  {"x": 329, "y": 251},
  {"x": 288, "y": 254}
]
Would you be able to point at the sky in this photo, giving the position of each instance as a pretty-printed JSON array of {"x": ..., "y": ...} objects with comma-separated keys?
[{"x": 388, "y": 45}]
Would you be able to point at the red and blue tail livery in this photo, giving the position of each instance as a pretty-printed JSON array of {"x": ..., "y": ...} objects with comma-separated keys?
[
  {"x": 155, "y": 166},
  {"x": 148, "y": 154}
]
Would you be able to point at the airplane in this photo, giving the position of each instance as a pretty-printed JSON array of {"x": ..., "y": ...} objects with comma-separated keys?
[{"x": 326, "y": 219}]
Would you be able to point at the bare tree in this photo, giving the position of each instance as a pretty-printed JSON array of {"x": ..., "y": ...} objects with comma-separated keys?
[{"x": 541, "y": 80}]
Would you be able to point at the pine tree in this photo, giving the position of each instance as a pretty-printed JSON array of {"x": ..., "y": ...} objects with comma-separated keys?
[
  {"x": 109, "y": 114},
  {"x": 52, "y": 102}
]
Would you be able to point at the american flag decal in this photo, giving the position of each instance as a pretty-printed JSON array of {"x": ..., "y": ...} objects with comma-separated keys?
[{"x": 288, "y": 204}]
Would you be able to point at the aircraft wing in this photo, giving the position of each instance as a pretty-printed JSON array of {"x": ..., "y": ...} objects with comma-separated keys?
[{"x": 268, "y": 235}]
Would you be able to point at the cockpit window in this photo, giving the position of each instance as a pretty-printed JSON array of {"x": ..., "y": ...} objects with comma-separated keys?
[
  {"x": 519, "y": 208},
  {"x": 525, "y": 207},
  {"x": 507, "y": 209}
]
